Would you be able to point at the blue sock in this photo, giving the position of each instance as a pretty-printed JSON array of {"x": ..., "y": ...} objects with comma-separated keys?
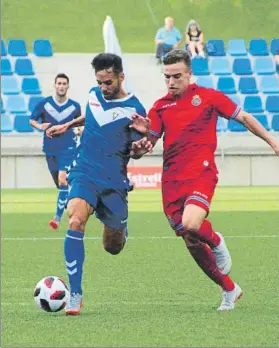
[
  {"x": 74, "y": 257},
  {"x": 61, "y": 201}
]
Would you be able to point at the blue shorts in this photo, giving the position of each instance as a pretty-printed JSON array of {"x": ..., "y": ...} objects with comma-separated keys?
[
  {"x": 60, "y": 162},
  {"x": 110, "y": 205}
]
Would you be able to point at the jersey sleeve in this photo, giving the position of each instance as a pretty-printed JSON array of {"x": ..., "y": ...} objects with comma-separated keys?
[
  {"x": 224, "y": 105},
  {"x": 38, "y": 111},
  {"x": 78, "y": 111},
  {"x": 156, "y": 124}
]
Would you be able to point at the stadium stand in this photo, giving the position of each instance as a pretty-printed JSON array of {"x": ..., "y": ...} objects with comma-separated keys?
[
  {"x": 242, "y": 66},
  {"x": 236, "y": 47},
  {"x": 16, "y": 104},
  {"x": 3, "y": 49},
  {"x": 226, "y": 85},
  {"x": 247, "y": 85},
  {"x": 245, "y": 72},
  {"x": 20, "y": 90},
  {"x": 275, "y": 123},
  {"x": 264, "y": 66},
  {"x": 42, "y": 48},
  {"x": 17, "y": 48},
  {"x": 21, "y": 124},
  {"x": 6, "y": 67},
  {"x": 205, "y": 81},
  {"x": 221, "y": 66},
  {"x": 6, "y": 123},
  {"x": 30, "y": 85},
  {"x": 258, "y": 47},
  {"x": 200, "y": 66},
  {"x": 216, "y": 48},
  {"x": 253, "y": 104},
  {"x": 23, "y": 66},
  {"x": 9, "y": 85}
]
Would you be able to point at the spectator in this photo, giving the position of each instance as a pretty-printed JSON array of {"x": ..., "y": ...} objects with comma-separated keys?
[
  {"x": 194, "y": 39},
  {"x": 167, "y": 38}
]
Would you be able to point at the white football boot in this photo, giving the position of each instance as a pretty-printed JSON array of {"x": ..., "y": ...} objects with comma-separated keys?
[{"x": 230, "y": 298}]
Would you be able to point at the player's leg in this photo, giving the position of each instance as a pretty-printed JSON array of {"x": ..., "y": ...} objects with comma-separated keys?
[
  {"x": 112, "y": 210},
  {"x": 201, "y": 242},
  {"x": 79, "y": 212},
  {"x": 82, "y": 198},
  {"x": 194, "y": 221},
  {"x": 53, "y": 168},
  {"x": 64, "y": 161},
  {"x": 61, "y": 199},
  {"x": 187, "y": 222}
]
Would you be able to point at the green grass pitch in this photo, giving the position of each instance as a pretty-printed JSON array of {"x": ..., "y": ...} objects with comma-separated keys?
[{"x": 152, "y": 294}]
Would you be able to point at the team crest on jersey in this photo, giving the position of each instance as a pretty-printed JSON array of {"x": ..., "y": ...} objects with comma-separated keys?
[{"x": 196, "y": 101}]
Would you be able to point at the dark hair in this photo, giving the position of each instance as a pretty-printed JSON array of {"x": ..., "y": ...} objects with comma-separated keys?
[
  {"x": 176, "y": 56},
  {"x": 62, "y": 76},
  {"x": 105, "y": 61}
]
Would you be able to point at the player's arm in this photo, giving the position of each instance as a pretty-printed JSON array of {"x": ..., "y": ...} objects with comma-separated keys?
[
  {"x": 255, "y": 127},
  {"x": 229, "y": 110},
  {"x": 37, "y": 117},
  {"x": 78, "y": 130},
  {"x": 155, "y": 131},
  {"x": 63, "y": 128}
]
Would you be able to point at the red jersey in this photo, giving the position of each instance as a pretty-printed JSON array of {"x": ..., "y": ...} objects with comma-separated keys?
[{"x": 189, "y": 127}]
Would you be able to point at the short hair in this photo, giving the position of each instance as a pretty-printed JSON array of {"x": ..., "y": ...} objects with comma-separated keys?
[
  {"x": 105, "y": 61},
  {"x": 176, "y": 56},
  {"x": 62, "y": 76}
]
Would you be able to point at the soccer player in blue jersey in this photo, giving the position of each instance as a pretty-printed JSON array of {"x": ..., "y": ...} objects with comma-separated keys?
[
  {"x": 98, "y": 178},
  {"x": 59, "y": 151}
]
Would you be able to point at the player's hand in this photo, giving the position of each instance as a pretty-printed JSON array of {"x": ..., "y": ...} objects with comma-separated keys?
[
  {"x": 141, "y": 147},
  {"x": 44, "y": 126},
  {"x": 140, "y": 124},
  {"x": 78, "y": 131},
  {"x": 55, "y": 131}
]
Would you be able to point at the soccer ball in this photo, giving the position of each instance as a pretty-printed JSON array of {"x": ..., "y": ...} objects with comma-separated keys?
[{"x": 51, "y": 294}]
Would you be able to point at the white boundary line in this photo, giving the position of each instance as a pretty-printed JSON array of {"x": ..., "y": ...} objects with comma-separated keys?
[{"x": 130, "y": 238}]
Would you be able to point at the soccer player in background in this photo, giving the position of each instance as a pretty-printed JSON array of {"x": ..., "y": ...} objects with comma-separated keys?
[
  {"x": 98, "y": 178},
  {"x": 60, "y": 151},
  {"x": 187, "y": 116}
]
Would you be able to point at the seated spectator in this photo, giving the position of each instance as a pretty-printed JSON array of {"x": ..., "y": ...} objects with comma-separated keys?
[
  {"x": 194, "y": 39},
  {"x": 167, "y": 38}
]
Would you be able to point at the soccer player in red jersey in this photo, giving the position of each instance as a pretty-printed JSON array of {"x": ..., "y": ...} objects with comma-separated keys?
[{"x": 187, "y": 117}]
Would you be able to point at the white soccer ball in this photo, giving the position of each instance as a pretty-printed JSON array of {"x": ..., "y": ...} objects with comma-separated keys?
[{"x": 51, "y": 294}]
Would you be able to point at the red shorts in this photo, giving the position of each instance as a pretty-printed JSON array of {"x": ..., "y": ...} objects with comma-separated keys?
[{"x": 177, "y": 194}]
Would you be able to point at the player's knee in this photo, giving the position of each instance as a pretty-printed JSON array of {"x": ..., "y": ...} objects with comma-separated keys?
[
  {"x": 191, "y": 227},
  {"x": 62, "y": 180},
  {"x": 76, "y": 223}
]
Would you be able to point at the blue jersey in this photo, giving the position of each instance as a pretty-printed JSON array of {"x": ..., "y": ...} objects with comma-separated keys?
[
  {"x": 106, "y": 141},
  {"x": 49, "y": 111}
]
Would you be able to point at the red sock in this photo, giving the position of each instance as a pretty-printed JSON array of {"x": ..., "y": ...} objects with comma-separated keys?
[
  {"x": 207, "y": 235},
  {"x": 204, "y": 257}
]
